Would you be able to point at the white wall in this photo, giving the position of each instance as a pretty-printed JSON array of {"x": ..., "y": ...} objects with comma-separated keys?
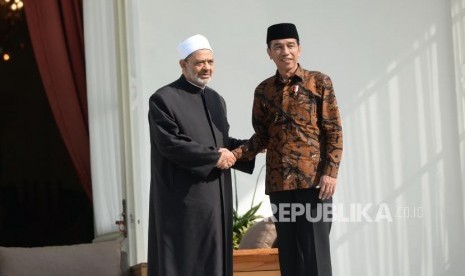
[
  {"x": 392, "y": 65},
  {"x": 458, "y": 33}
]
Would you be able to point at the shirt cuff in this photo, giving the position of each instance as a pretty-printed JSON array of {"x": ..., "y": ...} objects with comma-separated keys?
[{"x": 331, "y": 171}]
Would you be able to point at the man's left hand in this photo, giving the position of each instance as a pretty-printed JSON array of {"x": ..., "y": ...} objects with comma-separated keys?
[{"x": 327, "y": 187}]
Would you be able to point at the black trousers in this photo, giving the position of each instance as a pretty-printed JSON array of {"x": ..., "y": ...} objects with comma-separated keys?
[{"x": 303, "y": 224}]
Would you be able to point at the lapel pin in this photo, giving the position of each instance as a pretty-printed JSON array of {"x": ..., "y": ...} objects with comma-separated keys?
[{"x": 295, "y": 89}]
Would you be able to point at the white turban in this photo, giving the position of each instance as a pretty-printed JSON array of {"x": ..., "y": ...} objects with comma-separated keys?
[{"x": 192, "y": 44}]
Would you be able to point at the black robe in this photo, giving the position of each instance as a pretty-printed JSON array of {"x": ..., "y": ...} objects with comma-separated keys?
[{"x": 190, "y": 215}]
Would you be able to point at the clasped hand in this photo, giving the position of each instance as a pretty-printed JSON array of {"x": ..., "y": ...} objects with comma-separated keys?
[{"x": 227, "y": 159}]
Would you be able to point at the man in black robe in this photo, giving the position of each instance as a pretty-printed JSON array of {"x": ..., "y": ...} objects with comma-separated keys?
[{"x": 190, "y": 215}]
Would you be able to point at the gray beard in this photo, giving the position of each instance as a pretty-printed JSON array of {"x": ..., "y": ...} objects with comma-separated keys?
[{"x": 198, "y": 81}]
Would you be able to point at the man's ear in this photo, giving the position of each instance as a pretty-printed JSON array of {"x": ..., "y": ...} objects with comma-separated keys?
[
  {"x": 269, "y": 52},
  {"x": 182, "y": 63}
]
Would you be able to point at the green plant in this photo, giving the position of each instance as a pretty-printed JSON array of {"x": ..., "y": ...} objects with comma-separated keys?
[{"x": 241, "y": 223}]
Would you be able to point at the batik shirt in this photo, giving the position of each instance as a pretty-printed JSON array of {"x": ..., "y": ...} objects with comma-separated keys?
[{"x": 298, "y": 124}]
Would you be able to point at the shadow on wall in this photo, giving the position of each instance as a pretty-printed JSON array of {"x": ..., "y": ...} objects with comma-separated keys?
[{"x": 402, "y": 180}]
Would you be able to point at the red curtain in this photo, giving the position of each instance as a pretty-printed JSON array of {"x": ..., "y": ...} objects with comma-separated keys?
[{"x": 57, "y": 36}]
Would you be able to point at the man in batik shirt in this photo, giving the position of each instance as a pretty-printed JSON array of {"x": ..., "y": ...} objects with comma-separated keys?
[{"x": 296, "y": 119}]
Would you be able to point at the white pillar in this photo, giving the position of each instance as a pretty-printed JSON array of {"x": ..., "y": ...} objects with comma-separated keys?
[
  {"x": 105, "y": 126},
  {"x": 118, "y": 133}
]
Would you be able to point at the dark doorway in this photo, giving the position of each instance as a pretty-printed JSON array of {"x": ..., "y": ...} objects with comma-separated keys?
[{"x": 41, "y": 200}]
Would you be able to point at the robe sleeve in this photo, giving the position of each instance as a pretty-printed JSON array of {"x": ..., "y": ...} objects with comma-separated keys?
[
  {"x": 241, "y": 164},
  {"x": 258, "y": 141},
  {"x": 176, "y": 146}
]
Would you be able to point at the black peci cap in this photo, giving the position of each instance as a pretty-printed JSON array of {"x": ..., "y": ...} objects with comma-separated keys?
[{"x": 280, "y": 31}]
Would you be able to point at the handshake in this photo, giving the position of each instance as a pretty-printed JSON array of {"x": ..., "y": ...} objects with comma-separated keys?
[{"x": 227, "y": 159}]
